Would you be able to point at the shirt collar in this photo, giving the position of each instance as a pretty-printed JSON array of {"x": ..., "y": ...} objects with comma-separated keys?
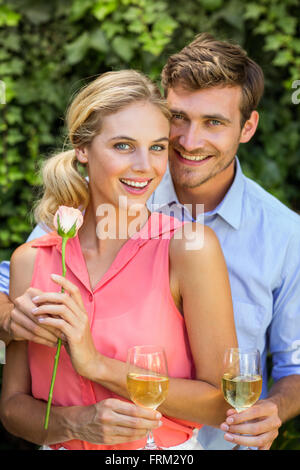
[{"x": 230, "y": 208}]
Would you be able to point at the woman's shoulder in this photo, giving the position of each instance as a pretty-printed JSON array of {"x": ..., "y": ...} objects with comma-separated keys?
[
  {"x": 21, "y": 269},
  {"x": 194, "y": 240},
  {"x": 24, "y": 254}
]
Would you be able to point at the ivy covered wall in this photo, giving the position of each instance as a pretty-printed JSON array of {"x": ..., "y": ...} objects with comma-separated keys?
[{"x": 50, "y": 49}]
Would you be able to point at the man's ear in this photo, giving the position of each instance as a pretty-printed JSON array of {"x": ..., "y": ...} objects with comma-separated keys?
[
  {"x": 250, "y": 127},
  {"x": 81, "y": 154}
]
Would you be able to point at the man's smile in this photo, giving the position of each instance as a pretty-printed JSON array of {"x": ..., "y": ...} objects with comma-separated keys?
[{"x": 191, "y": 159}]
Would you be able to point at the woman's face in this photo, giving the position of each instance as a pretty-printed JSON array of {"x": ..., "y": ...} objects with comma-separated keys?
[{"x": 129, "y": 156}]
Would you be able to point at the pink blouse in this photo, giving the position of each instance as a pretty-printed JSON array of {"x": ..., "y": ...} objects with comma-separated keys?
[{"x": 131, "y": 305}]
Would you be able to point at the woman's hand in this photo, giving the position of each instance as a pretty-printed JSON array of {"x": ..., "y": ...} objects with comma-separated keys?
[
  {"x": 66, "y": 312},
  {"x": 113, "y": 421}
]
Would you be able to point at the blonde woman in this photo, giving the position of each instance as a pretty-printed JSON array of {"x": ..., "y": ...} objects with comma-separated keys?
[{"x": 140, "y": 286}]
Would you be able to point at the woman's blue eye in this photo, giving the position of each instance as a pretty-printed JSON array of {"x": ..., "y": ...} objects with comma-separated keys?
[
  {"x": 158, "y": 147},
  {"x": 122, "y": 146}
]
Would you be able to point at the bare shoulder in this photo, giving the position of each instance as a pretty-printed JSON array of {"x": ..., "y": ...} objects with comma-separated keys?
[
  {"x": 24, "y": 255},
  {"x": 194, "y": 242},
  {"x": 21, "y": 269}
]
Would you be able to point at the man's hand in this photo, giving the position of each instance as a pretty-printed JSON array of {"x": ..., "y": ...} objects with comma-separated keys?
[
  {"x": 5, "y": 315},
  {"x": 255, "y": 427},
  {"x": 25, "y": 326},
  {"x": 114, "y": 421}
]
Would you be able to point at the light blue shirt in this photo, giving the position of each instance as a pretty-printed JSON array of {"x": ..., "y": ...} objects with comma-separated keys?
[{"x": 260, "y": 238}]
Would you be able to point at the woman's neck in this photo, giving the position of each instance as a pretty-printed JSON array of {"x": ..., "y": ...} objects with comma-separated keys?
[{"x": 107, "y": 227}]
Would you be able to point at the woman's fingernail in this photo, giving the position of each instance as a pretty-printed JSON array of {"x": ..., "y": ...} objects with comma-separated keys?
[
  {"x": 54, "y": 276},
  {"x": 158, "y": 416},
  {"x": 160, "y": 423},
  {"x": 229, "y": 420},
  {"x": 41, "y": 320},
  {"x": 35, "y": 299},
  {"x": 228, "y": 437},
  {"x": 224, "y": 427},
  {"x": 34, "y": 309}
]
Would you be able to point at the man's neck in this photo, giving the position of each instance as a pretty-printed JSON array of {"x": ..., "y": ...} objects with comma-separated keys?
[{"x": 210, "y": 193}]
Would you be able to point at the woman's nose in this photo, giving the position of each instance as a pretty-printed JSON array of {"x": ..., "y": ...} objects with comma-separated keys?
[{"x": 142, "y": 161}]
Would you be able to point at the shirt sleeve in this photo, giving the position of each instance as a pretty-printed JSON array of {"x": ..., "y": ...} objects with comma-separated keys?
[
  {"x": 36, "y": 233},
  {"x": 284, "y": 332},
  {"x": 4, "y": 277},
  {"x": 4, "y": 265}
]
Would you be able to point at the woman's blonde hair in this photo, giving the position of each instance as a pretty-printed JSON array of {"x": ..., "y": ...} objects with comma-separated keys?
[{"x": 63, "y": 184}]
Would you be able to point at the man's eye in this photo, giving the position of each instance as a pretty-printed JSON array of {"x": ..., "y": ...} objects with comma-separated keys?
[
  {"x": 214, "y": 122},
  {"x": 158, "y": 148},
  {"x": 122, "y": 146},
  {"x": 177, "y": 116}
]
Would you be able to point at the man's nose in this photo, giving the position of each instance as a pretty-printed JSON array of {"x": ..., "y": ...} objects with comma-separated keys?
[{"x": 192, "y": 138}]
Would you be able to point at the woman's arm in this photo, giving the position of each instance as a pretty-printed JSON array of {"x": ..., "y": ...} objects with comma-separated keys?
[
  {"x": 202, "y": 282},
  {"x": 203, "y": 286},
  {"x": 21, "y": 414},
  {"x": 108, "y": 422}
]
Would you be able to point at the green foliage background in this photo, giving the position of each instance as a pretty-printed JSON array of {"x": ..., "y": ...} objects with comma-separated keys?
[{"x": 50, "y": 49}]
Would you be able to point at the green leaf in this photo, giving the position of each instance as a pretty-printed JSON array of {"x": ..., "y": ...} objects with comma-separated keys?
[
  {"x": 288, "y": 24},
  {"x": 76, "y": 50},
  {"x": 103, "y": 8},
  {"x": 123, "y": 47},
  {"x": 275, "y": 42},
  {"x": 283, "y": 58},
  {"x": 79, "y": 8},
  {"x": 8, "y": 17},
  {"x": 98, "y": 41},
  {"x": 211, "y": 5},
  {"x": 254, "y": 11}
]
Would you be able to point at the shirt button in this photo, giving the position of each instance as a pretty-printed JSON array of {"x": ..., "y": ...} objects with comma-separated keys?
[{"x": 91, "y": 298}]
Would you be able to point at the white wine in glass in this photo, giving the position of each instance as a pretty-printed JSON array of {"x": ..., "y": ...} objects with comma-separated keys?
[
  {"x": 147, "y": 380},
  {"x": 242, "y": 378}
]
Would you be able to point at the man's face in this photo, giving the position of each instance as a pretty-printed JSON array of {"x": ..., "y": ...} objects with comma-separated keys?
[{"x": 205, "y": 133}]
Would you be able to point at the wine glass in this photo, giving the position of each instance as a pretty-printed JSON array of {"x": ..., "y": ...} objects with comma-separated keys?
[
  {"x": 147, "y": 380},
  {"x": 242, "y": 378}
]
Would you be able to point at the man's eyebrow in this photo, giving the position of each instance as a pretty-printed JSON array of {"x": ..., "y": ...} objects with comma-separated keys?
[
  {"x": 126, "y": 137},
  {"x": 218, "y": 117},
  {"x": 178, "y": 111}
]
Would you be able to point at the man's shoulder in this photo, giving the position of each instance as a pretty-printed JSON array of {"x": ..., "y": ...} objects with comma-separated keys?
[{"x": 264, "y": 203}]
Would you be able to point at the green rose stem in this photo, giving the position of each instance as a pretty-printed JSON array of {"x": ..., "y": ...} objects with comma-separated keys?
[{"x": 63, "y": 251}]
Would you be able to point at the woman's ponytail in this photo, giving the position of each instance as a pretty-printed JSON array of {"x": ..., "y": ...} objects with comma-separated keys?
[{"x": 63, "y": 185}]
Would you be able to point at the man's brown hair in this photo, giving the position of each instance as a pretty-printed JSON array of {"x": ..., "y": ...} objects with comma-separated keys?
[{"x": 207, "y": 62}]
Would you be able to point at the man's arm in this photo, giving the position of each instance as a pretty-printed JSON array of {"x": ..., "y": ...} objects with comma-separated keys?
[
  {"x": 6, "y": 305},
  {"x": 283, "y": 401},
  {"x": 16, "y": 323},
  {"x": 285, "y": 394},
  {"x": 5, "y": 312}
]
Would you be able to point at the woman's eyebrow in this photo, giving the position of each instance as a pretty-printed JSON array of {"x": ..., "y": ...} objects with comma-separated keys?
[{"x": 125, "y": 137}]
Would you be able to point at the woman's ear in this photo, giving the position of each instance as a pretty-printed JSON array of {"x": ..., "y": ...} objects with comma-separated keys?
[{"x": 81, "y": 154}]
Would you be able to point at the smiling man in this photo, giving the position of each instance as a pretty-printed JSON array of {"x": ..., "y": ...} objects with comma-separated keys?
[{"x": 213, "y": 89}]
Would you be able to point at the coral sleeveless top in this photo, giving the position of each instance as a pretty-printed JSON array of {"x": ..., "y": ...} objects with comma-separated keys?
[{"x": 131, "y": 305}]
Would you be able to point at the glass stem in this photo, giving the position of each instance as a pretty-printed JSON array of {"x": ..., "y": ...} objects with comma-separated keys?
[{"x": 150, "y": 441}]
